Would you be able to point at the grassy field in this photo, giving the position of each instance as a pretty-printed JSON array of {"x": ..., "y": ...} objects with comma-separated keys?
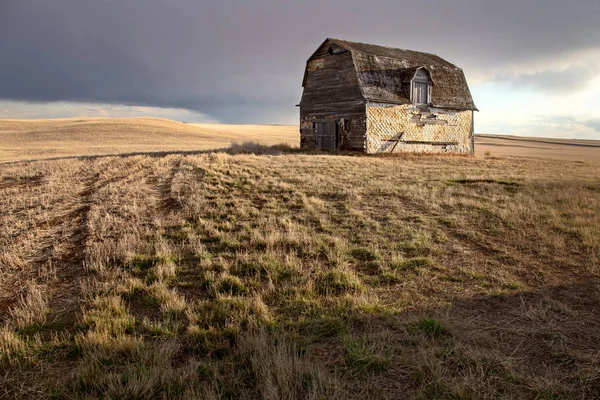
[
  {"x": 267, "y": 273},
  {"x": 59, "y": 138}
]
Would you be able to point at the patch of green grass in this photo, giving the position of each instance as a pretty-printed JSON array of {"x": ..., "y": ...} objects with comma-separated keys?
[
  {"x": 266, "y": 267},
  {"x": 251, "y": 268},
  {"x": 142, "y": 296},
  {"x": 161, "y": 329},
  {"x": 109, "y": 315},
  {"x": 224, "y": 312},
  {"x": 388, "y": 277},
  {"x": 216, "y": 343},
  {"x": 363, "y": 254},
  {"x": 337, "y": 282},
  {"x": 385, "y": 276},
  {"x": 231, "y": 284},
  {"x": 433, "y": 328},
  {"x": 416, "y": 264},
  {"x": 302, "y": 306},
  {"x": 364, "y": 356},
  {"x": 204, "y": 372},
  {"x": 512, "y": 284},
  {"x": 176, "y": 235},
  {"x": 324, "y": 327},
  {"x": 420, "y": 246},
  {"x": 227, "y": 243},
  {"x": 140, "y": 263},
  {"x": 31, "y": 329}
]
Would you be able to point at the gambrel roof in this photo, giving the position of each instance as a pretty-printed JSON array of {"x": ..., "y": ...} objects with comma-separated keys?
[{"x": 382, "y": 74}]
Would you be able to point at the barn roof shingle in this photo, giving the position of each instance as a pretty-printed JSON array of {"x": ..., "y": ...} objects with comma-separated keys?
[{"x": 382, "y": 70}]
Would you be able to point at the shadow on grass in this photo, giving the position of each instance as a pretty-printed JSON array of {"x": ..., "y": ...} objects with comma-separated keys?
[{"x": 541, "y": 343}]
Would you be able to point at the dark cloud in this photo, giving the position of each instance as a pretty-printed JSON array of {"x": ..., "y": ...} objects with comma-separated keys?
[{"x": 241, "y": 61}]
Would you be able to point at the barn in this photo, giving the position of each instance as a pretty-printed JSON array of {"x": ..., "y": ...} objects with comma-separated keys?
[{"x": 377, "y": 99}]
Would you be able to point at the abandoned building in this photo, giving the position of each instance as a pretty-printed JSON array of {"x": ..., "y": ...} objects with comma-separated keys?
[{"x": 378, "y": 99}]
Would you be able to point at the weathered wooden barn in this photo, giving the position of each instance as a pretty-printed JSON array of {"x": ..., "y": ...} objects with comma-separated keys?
[{"x": 380, "y": 99}]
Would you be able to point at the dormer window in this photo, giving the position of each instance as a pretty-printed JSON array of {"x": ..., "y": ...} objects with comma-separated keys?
[{"x": 421, "y": 87}]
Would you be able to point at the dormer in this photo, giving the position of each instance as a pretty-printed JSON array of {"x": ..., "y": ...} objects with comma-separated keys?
[{"x": 420, "y": 87}]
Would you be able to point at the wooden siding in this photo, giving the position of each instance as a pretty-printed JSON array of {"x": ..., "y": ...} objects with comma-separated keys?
[
  {"x": 331, "y": 87},
  {"x": 351, "y": 132},
  {"x": 332, "y": 94},
  {"x": 327, "y": 135}
]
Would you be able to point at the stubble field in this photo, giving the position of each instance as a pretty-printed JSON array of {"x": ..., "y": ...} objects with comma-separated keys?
[{"x": 264, "y": 272}]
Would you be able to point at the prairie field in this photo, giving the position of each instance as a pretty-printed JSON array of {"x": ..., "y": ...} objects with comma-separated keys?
[
  {"x": 31, "y": 140},
  {"x": 258, "y": 271},
  {"x": 59, "y": 138}
]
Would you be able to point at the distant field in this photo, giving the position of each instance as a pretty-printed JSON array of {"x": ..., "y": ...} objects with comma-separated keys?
[
  {"x": 521, "y": 146},
  {"x": 39, "y": 139},
  {"x": 42, "y": 139}
]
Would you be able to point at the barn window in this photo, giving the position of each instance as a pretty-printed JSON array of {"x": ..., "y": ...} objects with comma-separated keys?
[
  {"x": 335, "y": 49},
  {"x": 421, "y": 87}
]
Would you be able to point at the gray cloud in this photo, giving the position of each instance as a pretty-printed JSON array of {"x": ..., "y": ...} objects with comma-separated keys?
[
  {"x": 572, "y": 79},
  {"x": 566, "y": 123},
  {"x": 594, "y": 124},
  {"x": 241, "y": 61}
]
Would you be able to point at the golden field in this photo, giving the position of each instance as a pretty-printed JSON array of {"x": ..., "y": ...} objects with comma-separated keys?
[
  {"x": 263, "y": 272},
  {"x": 57, "y": 138}
]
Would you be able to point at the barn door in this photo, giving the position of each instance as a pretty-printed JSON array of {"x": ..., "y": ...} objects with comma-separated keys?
[{"x": 326, "y": 135}]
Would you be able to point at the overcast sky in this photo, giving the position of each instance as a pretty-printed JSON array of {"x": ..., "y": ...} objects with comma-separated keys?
[{"x": 533, "y": 66}]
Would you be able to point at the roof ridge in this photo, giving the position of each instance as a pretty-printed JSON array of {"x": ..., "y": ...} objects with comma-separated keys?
[{"x": 378, "y": 45}]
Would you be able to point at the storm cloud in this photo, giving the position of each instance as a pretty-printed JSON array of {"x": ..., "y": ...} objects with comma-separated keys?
[{"x": 241, "y": 61}]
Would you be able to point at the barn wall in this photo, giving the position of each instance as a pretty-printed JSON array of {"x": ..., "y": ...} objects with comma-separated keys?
[
  {"x": 351, "y": 131},
  {"x": 423, "y": 129},
  {"x": 332, "y": 93}
]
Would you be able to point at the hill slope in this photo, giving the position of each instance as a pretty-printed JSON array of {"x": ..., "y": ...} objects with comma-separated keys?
[
  {"x": 299, "y": 276},
  {"x": 41, "y": 139}
]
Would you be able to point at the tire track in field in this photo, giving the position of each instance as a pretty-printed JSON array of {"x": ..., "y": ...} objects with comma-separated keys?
[
  {"x": 62, "y": 255},
  {"x": 166, "y": 202},
  {"x": 69, "y": 265},
  {"x": 29, "y": 181},
  {"x": 187, "y": 270},
  {"x": 71, "y": 269}
]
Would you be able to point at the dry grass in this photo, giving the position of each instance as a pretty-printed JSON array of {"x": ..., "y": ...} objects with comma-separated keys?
[
  {"x": 290, "y": 275},
  {"x": 58, "y": 138}
]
